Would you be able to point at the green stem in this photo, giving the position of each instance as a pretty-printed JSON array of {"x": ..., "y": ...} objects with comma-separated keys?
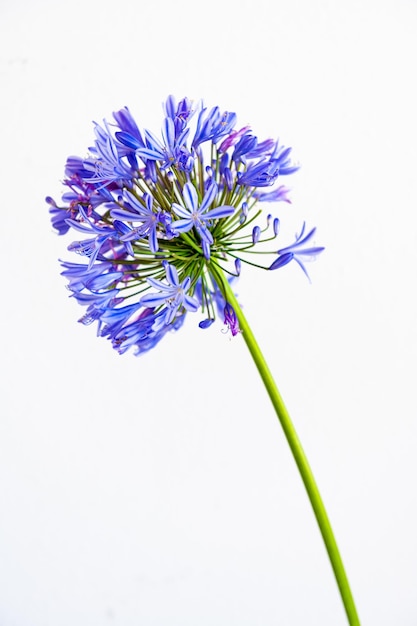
[{"x": 298, "y": 454}]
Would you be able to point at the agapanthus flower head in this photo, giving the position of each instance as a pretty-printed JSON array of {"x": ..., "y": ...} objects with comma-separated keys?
[{"x": 168, "y": 217}]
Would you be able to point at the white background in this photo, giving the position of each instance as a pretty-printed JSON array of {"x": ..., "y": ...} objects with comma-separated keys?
[{"x": 160, "y": 490}]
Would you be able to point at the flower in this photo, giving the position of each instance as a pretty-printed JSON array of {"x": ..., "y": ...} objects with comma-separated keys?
[
  {"x": 297, "y": 253},
  {"x": 177, "y": 214},
  {"x": 174, "y": 295},
  {"x": 199, "y": 217}
]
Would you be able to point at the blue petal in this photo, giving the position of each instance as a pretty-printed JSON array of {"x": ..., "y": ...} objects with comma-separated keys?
[
  {"x": 191, "y": 304},
  {"x": 128, "y": 140},
  {"x": 182, "y": 226},
  {"x": 168, "y": 132},
  {"x": 172, "y": 274},
  {"x": 256, "y": 233},
  {"x": 190, "y": 197},
  {"x": 206, "y": 323},
  {"x": 282, "y": 260},
  {"x": 158, "y": 284},
  {"x": 220, "y": 211},
  {"x": 153, "y": 300},
  {"x": 181, "y": 211},
  {"x": 209, "y": 197},
  {"x": 148, "y": 153}
]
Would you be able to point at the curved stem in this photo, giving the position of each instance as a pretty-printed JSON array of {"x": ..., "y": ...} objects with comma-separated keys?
[{"x": 298, "y": 454}]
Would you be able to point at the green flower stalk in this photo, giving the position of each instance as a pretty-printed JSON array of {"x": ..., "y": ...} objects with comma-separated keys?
[{"x": 300, "y": 459}]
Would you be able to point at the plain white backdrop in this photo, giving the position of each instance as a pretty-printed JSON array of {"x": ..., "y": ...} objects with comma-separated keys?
[{"x": 160, "y": 490}]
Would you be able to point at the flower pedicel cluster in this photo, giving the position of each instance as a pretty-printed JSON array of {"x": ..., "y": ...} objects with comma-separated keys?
[{"x": 166, "y": 219}]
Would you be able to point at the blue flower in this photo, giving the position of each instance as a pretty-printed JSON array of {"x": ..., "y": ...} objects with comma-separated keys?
[
  {"x": 245, "y": 145},
  {"x": 80, "y": 275},
  {"x": 199, "y": 216},
  {"x": 139, "y": 211},
  {"x": 173, "y": 295},
  {"x": 281, "y": 159},
  {"x": 297, "y": 252},
  {"x": 260, "y": 174},
  {"x": 213, "y": 126},
  {"x": 106, "y": 164},
  {"x": 169, "y": 152},
  {"x": 180, "y": 114},
  {"x": 129, "y": 134},
  {"x": 159, "y": 220}
]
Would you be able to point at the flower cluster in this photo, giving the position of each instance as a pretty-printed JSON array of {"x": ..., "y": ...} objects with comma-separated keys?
[{"x": 165, "y": 219}]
